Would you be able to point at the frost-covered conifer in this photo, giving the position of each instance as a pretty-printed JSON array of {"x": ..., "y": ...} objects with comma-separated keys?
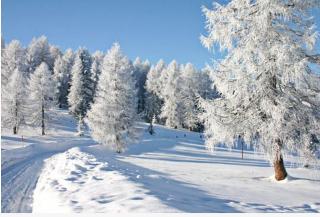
[
  {"x": 41, "y": 96},
  {"x": 62, "y": 74},
  {"x": 113, "y": 114},
  {"x": 81, "y": 90},
  {"x": 189, "y": 91},
  {"x": 268, "y": 91},
  {"x": 141, "y": 70},
  {"x": 13, "y": 66},
  {"x": 154, "y": 82},
  {"x": 172, "y": 110},
  {"x": 13, "y": 58},
  {"x": 13, "y": 101},
  {"x": 38, "y": 51},
  {"x": 96, "y": 68}
]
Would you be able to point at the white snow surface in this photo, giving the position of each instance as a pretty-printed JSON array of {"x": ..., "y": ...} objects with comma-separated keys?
[{"x": 168, "y": 172}]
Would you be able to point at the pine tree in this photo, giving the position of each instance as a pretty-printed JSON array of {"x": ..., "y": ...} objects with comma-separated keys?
[
  {"x": 189, "y": 91},
  {"x": 268, "y": 91},
  {"x": 172, "y": 108},
  {"x": 96, "y": 69},
  {"x": 81, "y": 90},
  {"x": 13, "y": 58},
  {"x": 41, "y": 95},
  {"x": 39, "y": 51},
  {"x": 113, "y": 114},
  {"x": 153, "y": 102},
  {"x": 61, "y": 72},
  {"x": 13, "y": 101},
  {"x": 141, "y": 70}
]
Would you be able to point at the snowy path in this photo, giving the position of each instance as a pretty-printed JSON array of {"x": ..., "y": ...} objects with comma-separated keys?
[
  {"x": 21, "y": 164},
  {"x": 168, "y": 172}
]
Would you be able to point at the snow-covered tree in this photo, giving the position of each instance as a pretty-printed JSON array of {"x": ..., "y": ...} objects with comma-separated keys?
[
  {"x": 206, "y": 88},
  {"x": 39, "y": 51},
  {"x": 62, "y": 74},
  {"x": 55, "y": 52},
  {"x": 13, "y": 101},
  {"x": 41, "y": 96},
  {"x": 96, "y": 68},
  {"x": 172, "y": 110},
  {"x": 141, "y": 70},
  {"x": 113, "y": 114},
  {"x": 153, "y": 102},
  {"x": 81, "y": 90},
  {"x": 13, "y": 58},
  {"x": 268, "y": 91},
  {"x": 189, "y": 92}
]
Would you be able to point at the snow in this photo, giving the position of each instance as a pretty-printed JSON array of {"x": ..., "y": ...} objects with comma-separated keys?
[{"x": 165, "y": 172}]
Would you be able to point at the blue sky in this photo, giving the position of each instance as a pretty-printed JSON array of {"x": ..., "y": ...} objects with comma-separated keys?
[{"x": 151, "y": 29}]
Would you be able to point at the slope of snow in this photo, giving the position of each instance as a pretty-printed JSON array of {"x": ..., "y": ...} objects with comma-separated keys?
[
  {"x": 75, "y": 181},
  {"x": 168, "y": 172}
]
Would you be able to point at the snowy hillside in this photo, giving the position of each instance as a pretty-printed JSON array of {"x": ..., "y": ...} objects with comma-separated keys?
[{"x": 168, "y": 172}]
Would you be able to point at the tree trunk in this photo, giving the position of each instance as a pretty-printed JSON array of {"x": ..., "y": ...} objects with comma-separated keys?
[
  {"x": 241, "y": 150},
  {"x": 150, "y": 128},
  {"x": 280, "y": 172},
  {"x": 42, "y": 120},
  {"x": 15, "y": 131},
  {"x": 15, "y": 128},
  {"x": 118, "y": 145}
]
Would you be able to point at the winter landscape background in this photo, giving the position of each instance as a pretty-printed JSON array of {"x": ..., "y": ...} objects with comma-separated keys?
[{"x": 222, "y": 113}]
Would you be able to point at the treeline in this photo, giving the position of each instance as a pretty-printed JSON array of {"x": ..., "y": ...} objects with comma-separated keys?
[{"x": 40, "y": 76}]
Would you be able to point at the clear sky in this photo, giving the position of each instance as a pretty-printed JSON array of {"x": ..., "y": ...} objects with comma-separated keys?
[{"x": 151, "y": 29}]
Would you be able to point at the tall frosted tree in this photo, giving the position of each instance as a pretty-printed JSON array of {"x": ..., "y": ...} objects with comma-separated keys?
[
  {"x": 55, "y": 52},
  {"x": 154, "y": 82},
  {"x": 38, "y": 51},
  {"x": 13, "y": 101},
  {"x": 141, "y": 70},
  {"x": 189, "y": 91},
  {"x": 153, "y": 102},
  {"x": 172, "y": 110},
  {"x": 62, "y": 75},
  {"x": 13, "y": 66},
  {"x": 113, "y": 114},
  {"x": 96, "y": 68},
  {"x": 269, "y": 93},
  {"x": 81, "y": 90},
  {"x": 13, "y": 58},
  {"x": 41, "y": 95}
]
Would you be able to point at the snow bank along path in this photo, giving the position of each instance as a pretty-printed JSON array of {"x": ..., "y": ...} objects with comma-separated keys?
[{"x": 75, "y": 181}]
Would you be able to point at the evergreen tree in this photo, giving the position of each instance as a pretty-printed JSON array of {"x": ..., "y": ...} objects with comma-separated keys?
[
  {"x": 141, "y": 70},
  {"x": 81, "y": 90},
  {"x": 172, "y": 109},
  {"x": 39, "y": 51},
  {"x": 41, "y": 95},
  {"x": 13, "y": 101},
  {"x": 114, "y": 111},
  {"x": 96, "y": 69},
  {"x": 13, "y": 58},
  {"x": 268, "y": 91},
  {"x": 189, "y": 91},
  {"x": 61, "y": 71}
]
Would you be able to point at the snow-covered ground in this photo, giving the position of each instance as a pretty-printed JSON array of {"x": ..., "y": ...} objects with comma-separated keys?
[{"x": 167, "y": 172}]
